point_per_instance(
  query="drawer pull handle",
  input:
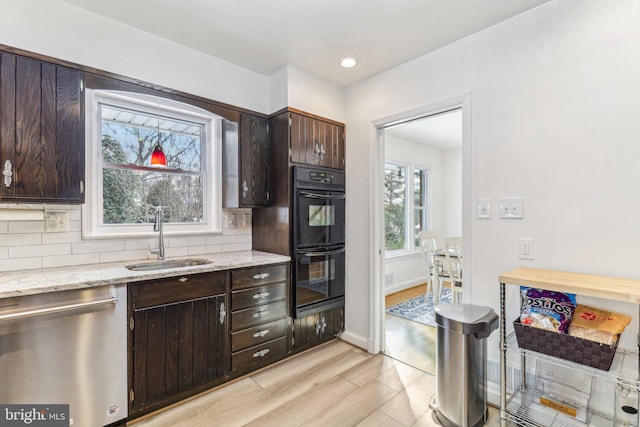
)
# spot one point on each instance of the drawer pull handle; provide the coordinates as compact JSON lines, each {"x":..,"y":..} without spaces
{"x":261,"y":333}
{"x":261,"y":295}
{"x":7,"y":172}
{"x":261,"y":313}
{"x":223,"y":313}
{"x":261,"y":353}
{"x":183,"y":279}
{"x":261,"y":276}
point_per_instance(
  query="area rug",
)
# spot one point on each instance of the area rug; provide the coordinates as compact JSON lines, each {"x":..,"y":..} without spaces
{"x":419,"y":309}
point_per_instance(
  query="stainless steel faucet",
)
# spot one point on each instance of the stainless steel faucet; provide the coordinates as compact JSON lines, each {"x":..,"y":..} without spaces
{"x":157,"y":226}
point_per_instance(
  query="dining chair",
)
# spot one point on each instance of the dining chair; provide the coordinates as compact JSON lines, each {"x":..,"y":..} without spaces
{"x":428,"y":247}
{"x":453,"y":266}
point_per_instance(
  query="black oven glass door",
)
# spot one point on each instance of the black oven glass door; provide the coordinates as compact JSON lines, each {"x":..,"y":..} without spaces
{"x":319,"y":276}
{"x":320,"y":218}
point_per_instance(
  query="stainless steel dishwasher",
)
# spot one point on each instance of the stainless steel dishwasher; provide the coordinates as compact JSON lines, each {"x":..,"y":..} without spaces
{"x":67,"y":347}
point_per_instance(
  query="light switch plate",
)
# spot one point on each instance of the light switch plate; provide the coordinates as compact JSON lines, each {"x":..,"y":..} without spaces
{"x":511,"y":208}
{"x":484,"y":208}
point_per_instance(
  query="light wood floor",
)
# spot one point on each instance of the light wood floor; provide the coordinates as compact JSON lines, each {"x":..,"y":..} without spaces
{"x":409,"y":342}
{"x":333,"y":385}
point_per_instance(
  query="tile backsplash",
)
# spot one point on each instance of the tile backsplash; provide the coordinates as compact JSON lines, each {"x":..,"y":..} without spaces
{"x":25,"y":244}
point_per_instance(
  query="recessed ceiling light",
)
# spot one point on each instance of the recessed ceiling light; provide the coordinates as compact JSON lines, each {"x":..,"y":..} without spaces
{"x":348,"y":63}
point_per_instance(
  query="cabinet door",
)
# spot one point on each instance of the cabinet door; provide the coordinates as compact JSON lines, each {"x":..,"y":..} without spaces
{"x":335,"y":147}
{"x":177,"y":348}
{"x":316,"y":142}
{"x":254,"y":160}
{"x":41,"y":131}
{"x":315,"y":328}
{"x":298,"y":138}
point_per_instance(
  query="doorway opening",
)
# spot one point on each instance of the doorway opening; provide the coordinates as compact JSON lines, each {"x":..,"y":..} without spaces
{"x":422,"y":190}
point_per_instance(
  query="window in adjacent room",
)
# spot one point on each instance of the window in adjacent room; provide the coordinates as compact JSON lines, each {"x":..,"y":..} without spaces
{"x":420,"y":203}
{"x":395,"y":206}
{"x":124,"y":188}
{"x":406,"y":206}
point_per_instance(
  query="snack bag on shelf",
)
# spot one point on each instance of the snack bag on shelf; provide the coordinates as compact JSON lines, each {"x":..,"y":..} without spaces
{"x":597,"y":325}
{"x":545,"y":309}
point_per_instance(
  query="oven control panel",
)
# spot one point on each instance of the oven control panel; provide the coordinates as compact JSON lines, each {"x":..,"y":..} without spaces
{"x":321,"y":177}
{"x":317,"y":177}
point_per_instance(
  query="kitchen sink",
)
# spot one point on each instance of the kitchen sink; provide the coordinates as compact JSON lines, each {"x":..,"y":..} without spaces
{"x":163,"y":265}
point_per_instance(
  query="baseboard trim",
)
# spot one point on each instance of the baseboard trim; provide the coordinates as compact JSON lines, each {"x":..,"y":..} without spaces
{"x":357,"y":340}
{"x":402,"y":286}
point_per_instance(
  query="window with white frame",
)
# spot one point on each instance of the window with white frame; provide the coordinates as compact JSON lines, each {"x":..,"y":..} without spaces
{"x":405,"y":202}
{"x":420,"y":203}
{"x":124,"y":188}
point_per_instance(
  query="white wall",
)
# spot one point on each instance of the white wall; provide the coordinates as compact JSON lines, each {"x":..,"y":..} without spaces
{"x":452,"y":193}
{"x":554,"y":119}
{"x":60,"y":30}
{"x":295,"y":88}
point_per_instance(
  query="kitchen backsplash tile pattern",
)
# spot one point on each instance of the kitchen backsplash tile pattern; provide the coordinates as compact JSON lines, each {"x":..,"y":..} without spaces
{"x":25,"y":244}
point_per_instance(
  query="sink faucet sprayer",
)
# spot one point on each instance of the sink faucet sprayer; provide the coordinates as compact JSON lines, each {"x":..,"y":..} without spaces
{"x":157,"y":226}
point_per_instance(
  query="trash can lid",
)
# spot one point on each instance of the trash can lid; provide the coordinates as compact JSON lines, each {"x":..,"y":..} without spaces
{"x":466,"y":318}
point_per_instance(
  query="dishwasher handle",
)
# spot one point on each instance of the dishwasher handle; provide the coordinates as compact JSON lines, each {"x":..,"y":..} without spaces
{"x":58,"y":309}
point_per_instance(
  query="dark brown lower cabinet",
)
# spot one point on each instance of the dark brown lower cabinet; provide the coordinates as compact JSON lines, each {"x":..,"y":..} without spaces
{"x":260,"y":321}
{"x":311,"y":330}
{"x":178,"y":339}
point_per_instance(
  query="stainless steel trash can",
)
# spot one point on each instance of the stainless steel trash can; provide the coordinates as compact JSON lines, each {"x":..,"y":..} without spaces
{"x":461,"y":360}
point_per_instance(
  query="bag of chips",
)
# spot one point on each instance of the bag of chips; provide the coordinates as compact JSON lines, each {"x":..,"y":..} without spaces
{"x":597,"y":325}
{"x":545,"y":309}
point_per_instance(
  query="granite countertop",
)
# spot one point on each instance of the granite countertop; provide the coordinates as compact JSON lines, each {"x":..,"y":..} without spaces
{"x":29,"y":282}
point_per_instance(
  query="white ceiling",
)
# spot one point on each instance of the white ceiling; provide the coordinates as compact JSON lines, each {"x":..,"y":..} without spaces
{"x":442,"y":131}
{"x":313,"y":36}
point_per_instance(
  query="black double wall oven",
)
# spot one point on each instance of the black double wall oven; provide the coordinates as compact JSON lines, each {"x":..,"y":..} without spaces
{"x":318,"y":239}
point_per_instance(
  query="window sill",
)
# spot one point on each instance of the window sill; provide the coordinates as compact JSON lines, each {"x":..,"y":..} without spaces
{"x":401,"y":255}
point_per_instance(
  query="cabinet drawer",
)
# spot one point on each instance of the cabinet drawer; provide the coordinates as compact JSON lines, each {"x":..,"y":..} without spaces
{"x":259,"y":355}
{"x":258,"y":295}
{"x":181,"y":288}
{"x":256,"y":315}
{"x":258,"y":334}
{"x":258,"y":275}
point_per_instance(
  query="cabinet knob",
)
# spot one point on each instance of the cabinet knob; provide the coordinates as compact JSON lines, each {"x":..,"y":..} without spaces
{"x":261,"y":313}
{"x":7,"y":172}
{"x":261,"y":276}
{"x":245,"y":189}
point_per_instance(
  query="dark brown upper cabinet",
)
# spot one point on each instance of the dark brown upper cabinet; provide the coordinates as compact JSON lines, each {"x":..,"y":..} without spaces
{"x":316,"y":142}
{"x":246,"y":162}
{"x":41,"y":131}
{"x":254,"y":160}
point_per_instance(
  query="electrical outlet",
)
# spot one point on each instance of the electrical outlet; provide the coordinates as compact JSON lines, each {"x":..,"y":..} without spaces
{"x":525,"y":248}
{"x":56,"y":222}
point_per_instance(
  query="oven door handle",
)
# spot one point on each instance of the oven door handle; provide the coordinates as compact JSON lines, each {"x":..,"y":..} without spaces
{"x":322,"y":196}
{"x":322,"y":253}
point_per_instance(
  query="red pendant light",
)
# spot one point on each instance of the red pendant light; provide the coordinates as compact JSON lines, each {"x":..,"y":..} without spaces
{"x":158,"y":158}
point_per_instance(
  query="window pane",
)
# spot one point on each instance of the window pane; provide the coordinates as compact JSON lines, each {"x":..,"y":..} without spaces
{"x":129,"y":137}
{"x":420,"y":197}
{"x":394,"y":206}
{"x":129,"y":197}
